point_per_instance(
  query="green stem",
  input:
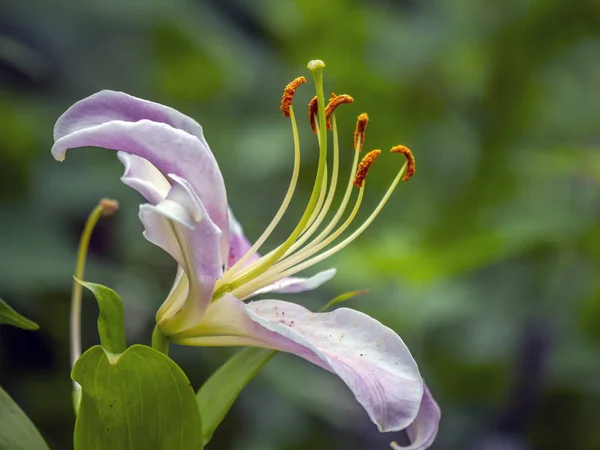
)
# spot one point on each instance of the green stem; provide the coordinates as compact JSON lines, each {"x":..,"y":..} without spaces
{"x":103,"y":208}
{"x":160,"y":342}
{"x":84,"y":243}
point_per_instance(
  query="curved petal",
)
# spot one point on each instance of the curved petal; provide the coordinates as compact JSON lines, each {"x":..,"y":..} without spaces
{"x":178,"y":224}
{"x":294,"y":285}
{"x":169,"y":149}
{"x":423,"y":431}
{"x":142,"y":176}
{"x":106,"y":106}
{"x":368,"y":356}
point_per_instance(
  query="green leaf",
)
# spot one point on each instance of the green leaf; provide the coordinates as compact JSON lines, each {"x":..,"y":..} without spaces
{"x":11,"y":317}
{"x":16,"y":430}
{"x":111,"y":321}
{"x":136,"y":400}
{"x":217,"y":395}
{"x":342,"y":298}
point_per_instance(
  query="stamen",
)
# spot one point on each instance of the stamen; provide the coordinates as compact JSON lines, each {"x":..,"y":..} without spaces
{"x":302,"y":259}
{"x":410,"y":161}
{"x":275,"y":272}
{"x":317,"y":210}
{"x":334,"y":102}
{"x":284,"y":205}
{"x":346,"y":198}
{"x":364,"y":166}
{"x":336,"y":248}
{"x":313,"y":109}
{"x":330,"y":194}
{"x":264,"y":263}
{"x":359,"y":132}
{"x":341,"y":208}
{"x":306,"y":233}
{"x":293,"y":255}
{"x":307,"y":228}
{"x":288,"y":95}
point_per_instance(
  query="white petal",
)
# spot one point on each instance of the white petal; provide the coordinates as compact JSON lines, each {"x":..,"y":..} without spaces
{"x":180,"y":226}
{"x":369,"y":357}
{"x":423,"y":431}
{"x":142,"y":176}
{"x":294,"y":285}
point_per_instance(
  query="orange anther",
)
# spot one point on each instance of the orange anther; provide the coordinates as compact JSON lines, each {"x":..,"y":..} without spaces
{"x":364,"y":166}
{"x":334,"y":102}
{"x":313,"y":109}
{"x":359,"y":132}
{"x":288,"y":95}
{"x":410,"y":161}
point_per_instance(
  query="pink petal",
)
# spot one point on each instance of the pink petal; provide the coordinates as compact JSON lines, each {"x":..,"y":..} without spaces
{"x":106,"y":106}
{"x":238,"y":243}
{"x":142,"y":176}
{"x":294,"y":285}
{"x":178,"y":224}
{"x":172,"y":142}
{"x":423,"y":431}
{"x":369,"y":357}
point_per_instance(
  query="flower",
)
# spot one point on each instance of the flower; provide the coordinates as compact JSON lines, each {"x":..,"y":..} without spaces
{"x":168,"y":161}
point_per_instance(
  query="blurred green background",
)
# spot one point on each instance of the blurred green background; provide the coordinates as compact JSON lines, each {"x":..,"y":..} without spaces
{"x":487,"y":262}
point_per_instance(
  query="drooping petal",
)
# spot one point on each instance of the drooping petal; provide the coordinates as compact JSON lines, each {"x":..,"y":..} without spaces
{"x":106,"y":106}
{"x":423,"y":431}
{"x":181,"y":226}
{"x":142,"y":176}
{"x":169,"y":149}
{"x":368,"y":356}
{"x":294,"y":285}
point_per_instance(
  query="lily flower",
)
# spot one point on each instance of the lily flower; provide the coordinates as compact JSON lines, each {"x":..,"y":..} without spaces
{"x":168,"y":161}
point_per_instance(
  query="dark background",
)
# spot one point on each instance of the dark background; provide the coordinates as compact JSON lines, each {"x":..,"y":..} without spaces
{"x":487,"y":263}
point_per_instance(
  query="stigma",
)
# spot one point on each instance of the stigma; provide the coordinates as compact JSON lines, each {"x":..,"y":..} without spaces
{"x":322,"y":231}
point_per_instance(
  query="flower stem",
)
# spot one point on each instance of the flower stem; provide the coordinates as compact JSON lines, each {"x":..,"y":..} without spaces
{"x":77,"y":288}
{"x":105,"y":207}
{"x":159,"y":341}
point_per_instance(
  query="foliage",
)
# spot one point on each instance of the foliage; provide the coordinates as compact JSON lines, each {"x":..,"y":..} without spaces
{"x":486,"y":262}
{"x":11,"y":317}
{"x":144,"y":386}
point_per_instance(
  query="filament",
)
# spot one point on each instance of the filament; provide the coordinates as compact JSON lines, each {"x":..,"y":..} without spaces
{"x":284,"y":205}
{"x":266,"y":261}
{"x":288,"y":268}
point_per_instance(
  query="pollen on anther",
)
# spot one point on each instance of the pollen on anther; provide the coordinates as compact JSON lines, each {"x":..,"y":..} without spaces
{"x":410,"y":161}
{"x":364,"y":166}
{"x":359,"y":132}
{"x":288,"y":95}
{"x":334,"y":102}
{"x":313,"y":109}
